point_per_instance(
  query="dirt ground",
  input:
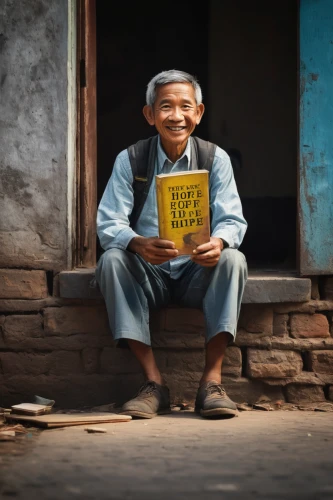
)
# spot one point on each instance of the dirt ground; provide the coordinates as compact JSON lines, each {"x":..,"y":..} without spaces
{"x":259,"y":454}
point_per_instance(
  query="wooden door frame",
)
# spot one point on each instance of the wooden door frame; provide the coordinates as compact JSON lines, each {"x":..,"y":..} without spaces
{"x":86,"y":144}
{"x":84,"y":254}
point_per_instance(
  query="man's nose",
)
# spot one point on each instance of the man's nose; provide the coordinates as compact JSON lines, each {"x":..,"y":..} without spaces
{"x":176,"y":114}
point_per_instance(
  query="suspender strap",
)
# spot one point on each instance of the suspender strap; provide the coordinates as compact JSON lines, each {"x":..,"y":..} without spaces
{"x":142,"y":156}
{"x":202,"y":154}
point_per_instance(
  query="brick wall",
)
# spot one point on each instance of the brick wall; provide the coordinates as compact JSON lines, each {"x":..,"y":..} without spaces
{"x":63,"y":349}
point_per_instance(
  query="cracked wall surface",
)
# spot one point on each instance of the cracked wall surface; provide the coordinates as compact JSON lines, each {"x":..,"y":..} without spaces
{"x":33,"y":127}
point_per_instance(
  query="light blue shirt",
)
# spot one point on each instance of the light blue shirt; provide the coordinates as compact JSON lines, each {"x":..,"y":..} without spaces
{"x":116,"y":204}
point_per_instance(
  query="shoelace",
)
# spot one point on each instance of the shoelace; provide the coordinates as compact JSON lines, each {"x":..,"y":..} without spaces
{"x":147,"y":388}
{"x":216,"y":388}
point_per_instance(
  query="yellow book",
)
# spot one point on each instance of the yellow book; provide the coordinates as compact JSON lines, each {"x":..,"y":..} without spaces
{"x":183,"y":208}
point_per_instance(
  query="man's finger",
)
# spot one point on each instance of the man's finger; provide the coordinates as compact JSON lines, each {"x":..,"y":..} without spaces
{"x":207,"y":255}
{"x":164,"y":252}
{"x":164,"y":243}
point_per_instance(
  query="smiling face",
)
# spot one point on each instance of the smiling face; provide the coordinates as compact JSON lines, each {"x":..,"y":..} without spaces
{"x":175,"y":114}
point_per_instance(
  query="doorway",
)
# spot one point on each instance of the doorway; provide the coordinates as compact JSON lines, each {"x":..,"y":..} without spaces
{"x":245,"y":57}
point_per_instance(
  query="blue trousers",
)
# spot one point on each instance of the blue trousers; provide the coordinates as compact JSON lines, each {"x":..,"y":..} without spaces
{"x":131,"y":287}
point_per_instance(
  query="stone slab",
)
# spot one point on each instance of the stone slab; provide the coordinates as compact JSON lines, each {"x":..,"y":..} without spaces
{"x":22,"y":284}
{"x":273,"y":363}
{"x":272,"y":288}
{"x":309,"y":326}
{"x":261,"y":288}
{"x":321,"y":361}
{"x":75,"y":319}
{"x":304,"y":393}
{"x":78,"y":284}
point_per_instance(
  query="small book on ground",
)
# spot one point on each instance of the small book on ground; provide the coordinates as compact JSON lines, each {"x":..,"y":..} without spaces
{"x":183,"y":208}
{"x":31,"y":409}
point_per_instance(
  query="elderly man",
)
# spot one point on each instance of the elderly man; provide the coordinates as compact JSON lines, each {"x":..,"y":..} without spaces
{"x":139,"y":271}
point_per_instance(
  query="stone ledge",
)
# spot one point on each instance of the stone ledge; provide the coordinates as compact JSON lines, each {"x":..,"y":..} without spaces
{"x":270,"y":342}
{"x":261,"y":288}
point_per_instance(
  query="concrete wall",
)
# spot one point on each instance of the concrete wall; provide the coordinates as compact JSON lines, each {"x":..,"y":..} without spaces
{"x":33,"y":126}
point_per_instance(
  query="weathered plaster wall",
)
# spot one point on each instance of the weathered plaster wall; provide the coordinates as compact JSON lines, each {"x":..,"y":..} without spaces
{"x":33,"y":127}
{"x":315,"y":141}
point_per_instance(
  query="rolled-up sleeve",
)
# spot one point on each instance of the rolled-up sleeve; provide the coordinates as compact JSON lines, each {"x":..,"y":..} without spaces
{"x":113,"y":228}
{"x":227,"y":220}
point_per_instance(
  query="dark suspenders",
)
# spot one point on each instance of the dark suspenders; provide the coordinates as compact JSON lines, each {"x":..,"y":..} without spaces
{"x":142,"y":157}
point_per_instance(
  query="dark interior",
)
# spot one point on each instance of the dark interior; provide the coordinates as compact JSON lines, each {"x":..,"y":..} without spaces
{"x":134,"y":43}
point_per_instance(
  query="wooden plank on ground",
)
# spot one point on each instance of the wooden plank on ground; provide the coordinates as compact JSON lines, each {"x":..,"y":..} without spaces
{"x":65,"y":420}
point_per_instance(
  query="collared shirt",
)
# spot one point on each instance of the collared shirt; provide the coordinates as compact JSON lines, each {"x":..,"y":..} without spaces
{"x":113,"y":228}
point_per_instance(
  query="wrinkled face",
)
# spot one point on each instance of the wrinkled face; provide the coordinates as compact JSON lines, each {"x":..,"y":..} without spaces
{"x":175,"y":113}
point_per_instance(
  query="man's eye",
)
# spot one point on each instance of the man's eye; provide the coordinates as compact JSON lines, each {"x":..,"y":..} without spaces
{"x":166,"y":106}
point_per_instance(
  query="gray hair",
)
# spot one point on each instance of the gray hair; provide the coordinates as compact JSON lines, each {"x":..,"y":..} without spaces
{"x":172,"y":76}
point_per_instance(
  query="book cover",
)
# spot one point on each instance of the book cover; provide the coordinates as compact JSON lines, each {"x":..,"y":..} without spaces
{"x":183,"y":208}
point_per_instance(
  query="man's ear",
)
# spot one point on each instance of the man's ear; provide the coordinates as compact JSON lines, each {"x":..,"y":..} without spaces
{"x":200,"y":112}
{"x":148,"y":114}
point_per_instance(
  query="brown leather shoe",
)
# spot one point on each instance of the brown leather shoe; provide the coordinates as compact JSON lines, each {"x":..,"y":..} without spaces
{"x":212,"y":401}
{"x":152,"y":399}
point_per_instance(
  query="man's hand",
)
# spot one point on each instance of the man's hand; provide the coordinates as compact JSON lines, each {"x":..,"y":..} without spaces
{"x":154,"y":249}
{"x":208,"y":254}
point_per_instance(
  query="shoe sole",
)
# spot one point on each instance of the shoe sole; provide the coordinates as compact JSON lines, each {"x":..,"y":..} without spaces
{"x":218,"y":412}
{"x":140,"y":414}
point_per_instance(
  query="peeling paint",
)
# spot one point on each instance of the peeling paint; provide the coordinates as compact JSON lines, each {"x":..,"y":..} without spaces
{"x":302,"y":85}
{"x":316,"y":145}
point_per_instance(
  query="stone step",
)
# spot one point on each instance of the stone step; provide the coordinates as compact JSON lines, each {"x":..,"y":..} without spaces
{"x":269,"y":286}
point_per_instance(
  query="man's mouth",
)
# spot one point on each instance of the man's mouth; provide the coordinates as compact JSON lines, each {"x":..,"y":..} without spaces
{"x":176,"y":129}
